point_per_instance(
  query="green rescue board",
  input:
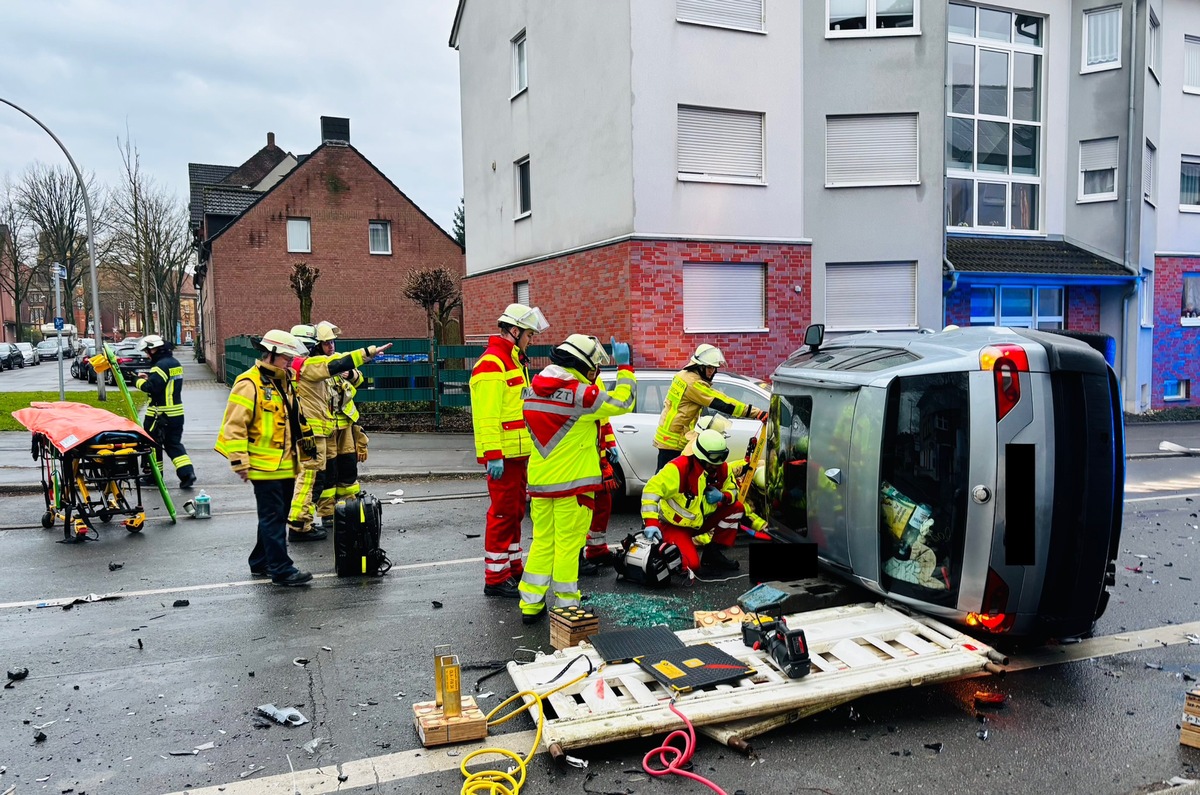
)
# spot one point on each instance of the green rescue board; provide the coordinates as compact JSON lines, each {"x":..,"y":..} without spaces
{"x":154,"y":465}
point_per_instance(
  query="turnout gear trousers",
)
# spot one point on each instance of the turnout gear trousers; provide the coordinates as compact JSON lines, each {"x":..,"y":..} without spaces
{"x":164,"y":416}
{"x":167,"y":433}
{"x":551,"y":579}
{"x":720,"y":527}
{"x":502,"y":535}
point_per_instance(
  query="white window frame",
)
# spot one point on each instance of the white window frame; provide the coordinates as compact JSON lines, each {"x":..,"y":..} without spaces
{"x":1112,"y":195}
{"x":1147,"y":296}
{"x":997,"y":318}
{"x":1189,"y":160}
{"x":872,"y":29}
{"x":520,"y":65}
{"x":387,"y":236}
{"x":1153,"y":45}
{"x":522,"y":212}
{"x":295,"y":224}
{"x":847,"y":139}
{"x":521,"y":293}
{"x":707,"y":13}
{"x":1184,"y":392}
{"x":867,"y":288}
{"x":1088,"y":15}
{"x":724,"y":297}
{"x":1149,"y":153}
{"x":1191,"y":64}
{"x":698,"y":160}
{"x":1183,"y":280}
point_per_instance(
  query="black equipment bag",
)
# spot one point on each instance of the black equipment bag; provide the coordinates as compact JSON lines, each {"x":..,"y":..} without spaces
{"x":357,"y":521}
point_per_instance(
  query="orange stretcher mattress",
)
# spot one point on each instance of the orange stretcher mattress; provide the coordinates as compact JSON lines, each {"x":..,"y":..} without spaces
{"x":68,"y":425}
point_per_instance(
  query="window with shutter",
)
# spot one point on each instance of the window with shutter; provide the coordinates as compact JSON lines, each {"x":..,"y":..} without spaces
{"x":720,"y":145}
{"x":870,"y":296}
{"x":1191,"y":64}
{"x":1102,"y":39}
{"x":871,"y":150}
{"x":1189,"y":183}
{"x":724,"y":296}
{"x":1154,"y":46}
{"x":521,"y":293}
{"x":1098,"y":169}
{"x":1148,"y":172}
{"x":737,"y":14}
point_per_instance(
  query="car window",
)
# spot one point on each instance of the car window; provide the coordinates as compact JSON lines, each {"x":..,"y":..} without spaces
{"x":787,"y":460}
{"x":742,"y":394}
{"x":857,"y":358}
{"x":651,"y":394}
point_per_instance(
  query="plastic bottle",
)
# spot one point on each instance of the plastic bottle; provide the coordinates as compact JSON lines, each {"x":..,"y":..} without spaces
{"x":203,"y":505}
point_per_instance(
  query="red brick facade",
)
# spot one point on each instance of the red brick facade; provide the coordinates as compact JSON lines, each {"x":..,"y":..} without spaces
{"x":634,"y":290}
{"x":1174,"y":343}
{"x":247,"y":288}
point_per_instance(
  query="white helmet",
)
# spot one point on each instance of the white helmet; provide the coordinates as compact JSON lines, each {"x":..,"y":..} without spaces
{"x":305,"y":333}
{"x":524,"y":317}
{"x":583,"y":350}
{"x":714,"y":421}
{"x":327,"y":332}
{"x":150,"y":341}
{"x":708,"y":356}
{"x":760,"y":477}
{"x":278,"y":341}
{"x":710,"y":447}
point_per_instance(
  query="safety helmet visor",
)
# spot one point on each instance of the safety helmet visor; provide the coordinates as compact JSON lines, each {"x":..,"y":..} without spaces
{"x":327,"y":332}
{"x":525,"y":317}
{"x":710,"y":448}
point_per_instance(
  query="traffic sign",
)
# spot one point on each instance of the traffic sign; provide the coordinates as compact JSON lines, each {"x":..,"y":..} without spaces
{"x":60,"y":271}
{"x":58,"y":324}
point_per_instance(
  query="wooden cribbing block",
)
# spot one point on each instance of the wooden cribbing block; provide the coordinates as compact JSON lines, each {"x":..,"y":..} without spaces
{"x":570,"y":625}
{"x":1189,"y":732}
{"x":711,"y":618}
{"x":434,"y":728}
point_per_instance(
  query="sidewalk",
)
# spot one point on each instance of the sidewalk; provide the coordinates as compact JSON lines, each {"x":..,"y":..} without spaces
{"x":404,"y":455}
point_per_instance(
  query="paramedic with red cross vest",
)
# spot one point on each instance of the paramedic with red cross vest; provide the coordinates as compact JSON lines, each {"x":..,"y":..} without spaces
{"x":502,"y":442}
{"x":564,"y":409}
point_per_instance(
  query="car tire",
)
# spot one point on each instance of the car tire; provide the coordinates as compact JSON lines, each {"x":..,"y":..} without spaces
{"x":91,"y":376}
{"x":75,"y":371}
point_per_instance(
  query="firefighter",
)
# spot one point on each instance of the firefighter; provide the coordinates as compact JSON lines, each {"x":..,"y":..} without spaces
{"x":564,"y":408}
{"x":692,"y":503}
{"x":347,"y":435}
{"x":312,"y":373}
{"x":691,"y":391}
{"x":163,"y":382}
{"x":502,"y":442}
{"x":264,"y":437}
{"x":596,"y":552}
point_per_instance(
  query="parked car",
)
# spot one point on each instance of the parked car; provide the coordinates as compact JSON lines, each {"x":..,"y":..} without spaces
{"x":47,"y":349}
{"x":130,"y":360}
{"x":10,"y":356}
{"x":976,"y":474}
{"x":634,"y":432}
{"x":27,"y":351}
{"x":81,"y":367}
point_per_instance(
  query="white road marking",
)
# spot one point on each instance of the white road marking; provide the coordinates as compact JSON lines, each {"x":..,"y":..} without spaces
{"x":220,"y":585}
{"x":423,"y":761}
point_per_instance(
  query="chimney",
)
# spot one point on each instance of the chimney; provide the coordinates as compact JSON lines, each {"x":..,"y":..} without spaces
{"x":270,"y":140}
{"x":335,"y":131}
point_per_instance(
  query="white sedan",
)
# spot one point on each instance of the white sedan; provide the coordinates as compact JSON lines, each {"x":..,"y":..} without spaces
{"x":635,"y":431}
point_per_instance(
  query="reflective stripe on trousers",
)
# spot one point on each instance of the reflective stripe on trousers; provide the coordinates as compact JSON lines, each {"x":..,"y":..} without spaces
{"x":597,"y":543}
{"x":560,"y":527}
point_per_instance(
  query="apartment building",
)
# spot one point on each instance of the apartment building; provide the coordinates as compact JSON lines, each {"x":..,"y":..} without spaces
{"x":727,"y":171}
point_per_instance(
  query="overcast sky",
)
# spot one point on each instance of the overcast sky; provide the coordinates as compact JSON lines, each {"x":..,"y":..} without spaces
{"x":204,"y":82}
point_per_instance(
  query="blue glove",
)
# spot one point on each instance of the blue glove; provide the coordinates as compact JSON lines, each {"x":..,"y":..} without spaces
{"x":621,"y":352}
{"x":495,"y":468}
{"x":652,"y":534}
{"x":613,"y":455}
{"x":713,"y":496}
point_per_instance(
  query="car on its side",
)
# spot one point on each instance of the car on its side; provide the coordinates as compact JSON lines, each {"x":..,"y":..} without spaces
{"x":31,"y":357}
{"x":634,"y":432}
{"x":976,"y":474}
{"x":47,"y":349}
{"x":10,"y":356}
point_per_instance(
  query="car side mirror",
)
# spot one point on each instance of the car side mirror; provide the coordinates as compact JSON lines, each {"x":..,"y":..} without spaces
{"x":814,"y":335}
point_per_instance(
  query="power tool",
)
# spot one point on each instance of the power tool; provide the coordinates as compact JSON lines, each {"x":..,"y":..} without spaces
{"x":788,"y":647}
{"x":641,"y":561}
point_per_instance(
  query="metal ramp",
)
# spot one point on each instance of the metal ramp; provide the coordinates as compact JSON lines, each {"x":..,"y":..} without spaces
{"x":856,"y":650}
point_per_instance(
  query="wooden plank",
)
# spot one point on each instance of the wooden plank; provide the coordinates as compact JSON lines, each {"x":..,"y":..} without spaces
{"x":888,"y":648}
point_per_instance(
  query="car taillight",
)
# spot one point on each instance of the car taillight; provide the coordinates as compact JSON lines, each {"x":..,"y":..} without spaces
{"x":992,"y":615}
{"x":124,"y":361}
{"x":1005,"y":362}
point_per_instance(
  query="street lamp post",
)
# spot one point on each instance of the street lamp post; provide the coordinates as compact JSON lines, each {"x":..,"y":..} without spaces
{"x":87,"y":207}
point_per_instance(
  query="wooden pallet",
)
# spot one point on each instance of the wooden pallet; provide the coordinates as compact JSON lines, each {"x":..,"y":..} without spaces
{"x":856,"y":650}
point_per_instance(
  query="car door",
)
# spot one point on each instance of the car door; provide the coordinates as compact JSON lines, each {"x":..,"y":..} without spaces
{"x":741,"y":431}
{"x":634,"y":431}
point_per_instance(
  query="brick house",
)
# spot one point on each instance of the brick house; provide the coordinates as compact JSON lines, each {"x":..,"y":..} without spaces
{"x":332,"y":209}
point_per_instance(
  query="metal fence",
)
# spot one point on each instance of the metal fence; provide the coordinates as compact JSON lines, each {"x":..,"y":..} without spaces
{"x":403,"y":374}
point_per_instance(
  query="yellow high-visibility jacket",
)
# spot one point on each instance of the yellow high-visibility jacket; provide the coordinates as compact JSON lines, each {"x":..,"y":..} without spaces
{"x":676,"y":494}
{"x":164,"y":384}
{"x":497,"y":381}
{"x":689,"y":393}
{"x":257,"y":430}
{"x":342,"y":389}
{"x":564,"y":413}
{"x":312,"y":385}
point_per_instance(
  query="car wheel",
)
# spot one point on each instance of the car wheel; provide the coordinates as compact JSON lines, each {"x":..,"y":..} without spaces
{"x":75,"y":371}
{"x":91,"y":376}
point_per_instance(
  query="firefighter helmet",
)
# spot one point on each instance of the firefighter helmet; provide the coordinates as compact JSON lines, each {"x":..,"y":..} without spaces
{"x":327,"y":332}
{"x":150,"y":342}
{"x":524,"y":317}
{"x":581,"y":352}
{"x":711,"y":447}
{"x":278,"y":341}
{"x":307,"y":334}
{"x":708,"y":356}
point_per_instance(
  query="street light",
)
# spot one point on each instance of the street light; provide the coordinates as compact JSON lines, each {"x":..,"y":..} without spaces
{"x":87,"y":207}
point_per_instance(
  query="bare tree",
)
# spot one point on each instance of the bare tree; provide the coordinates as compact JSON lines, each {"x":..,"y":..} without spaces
{"x":303,"y":279}
{"x":437,"y":290}
{"x":19,"y":275}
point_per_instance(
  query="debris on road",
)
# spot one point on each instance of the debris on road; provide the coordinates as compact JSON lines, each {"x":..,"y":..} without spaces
{"x":288,"y":716}
{"x":68,"y":602}
{"x":436,"y":604}
{"x":312,"y":745}
{"x":985,"y":699}
{"x":935,"y":747}
{"x":114,"y":565}
{"x":181,"y":603}
{"x":193,"y":752}
{"x":300,"y":661}
{"x":39,"y":737}
{"x":17,"y":674}
{"x":206,"y":746}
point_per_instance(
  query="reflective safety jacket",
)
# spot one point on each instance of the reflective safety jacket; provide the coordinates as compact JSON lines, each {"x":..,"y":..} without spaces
{"x":676,"y":494}
{"x":261,"y":424}
{"x":564,"y":413}
{"x":342,"y":389}
{"x":164,"y":384}
{"x":497,"y":381}
{"x":689,"y":393}
{"x":312,"y":385}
